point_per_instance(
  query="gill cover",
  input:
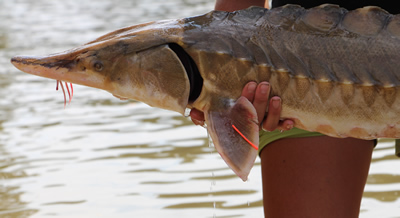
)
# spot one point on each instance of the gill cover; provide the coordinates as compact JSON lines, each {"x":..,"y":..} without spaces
{"x":159,"y":76}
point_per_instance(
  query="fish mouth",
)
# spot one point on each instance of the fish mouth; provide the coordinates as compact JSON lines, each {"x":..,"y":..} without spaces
{"x":192,"y":71}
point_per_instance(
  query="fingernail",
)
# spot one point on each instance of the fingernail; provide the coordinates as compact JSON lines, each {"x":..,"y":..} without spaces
{"x":276,"y":103}
{"x":264,"y":88}
{"x":289,"y":126}
{"x":252,"y":87}
{"x":265,"y":130}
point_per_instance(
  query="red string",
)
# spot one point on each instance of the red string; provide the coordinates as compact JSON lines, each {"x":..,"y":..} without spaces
{"x":244,"y":137}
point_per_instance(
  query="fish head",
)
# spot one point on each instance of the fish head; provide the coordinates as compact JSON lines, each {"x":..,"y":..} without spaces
{"x":129,"y":64}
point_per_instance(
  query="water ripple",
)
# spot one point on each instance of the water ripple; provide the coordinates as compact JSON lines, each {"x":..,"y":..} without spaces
{"x":102,"y":157}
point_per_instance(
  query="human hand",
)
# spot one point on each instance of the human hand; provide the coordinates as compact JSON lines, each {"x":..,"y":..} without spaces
{"x":258,"y":95}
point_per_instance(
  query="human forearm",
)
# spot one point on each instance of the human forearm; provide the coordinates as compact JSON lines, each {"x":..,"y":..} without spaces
{"x":233,"y":5}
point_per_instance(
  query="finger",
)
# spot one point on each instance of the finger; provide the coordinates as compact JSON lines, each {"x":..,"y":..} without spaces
{"x":260,"y":101}
{"x":272,"y":121}
{"x":249,"y":90}
{"x":197,"y":117}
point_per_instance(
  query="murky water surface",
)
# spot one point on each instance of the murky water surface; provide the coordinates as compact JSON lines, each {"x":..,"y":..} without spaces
{"x":102,"y":157}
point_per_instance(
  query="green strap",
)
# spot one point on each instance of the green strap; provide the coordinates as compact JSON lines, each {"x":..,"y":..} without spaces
{"x":268,"y":137}
{"x":397,"y":147}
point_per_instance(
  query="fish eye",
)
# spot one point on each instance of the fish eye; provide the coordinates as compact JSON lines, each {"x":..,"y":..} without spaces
{"x":98,"y":66}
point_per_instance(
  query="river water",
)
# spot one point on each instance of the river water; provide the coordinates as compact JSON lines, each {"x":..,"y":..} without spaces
{"x":102,"y":157}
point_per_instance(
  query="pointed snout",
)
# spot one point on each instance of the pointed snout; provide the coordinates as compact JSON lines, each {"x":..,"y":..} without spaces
{"x":60,"y":66}
{"x":52,"y":67}
{"x":31,"y":64}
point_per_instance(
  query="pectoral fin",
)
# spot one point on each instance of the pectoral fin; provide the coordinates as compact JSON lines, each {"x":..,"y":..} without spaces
{"x":230,"y":144}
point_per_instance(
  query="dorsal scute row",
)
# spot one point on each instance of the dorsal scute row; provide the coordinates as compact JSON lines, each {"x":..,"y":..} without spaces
{"x":369,"y":20}
{"x":324,"y":43}
{"x":333,"y":50}
{"x":363,"y":43}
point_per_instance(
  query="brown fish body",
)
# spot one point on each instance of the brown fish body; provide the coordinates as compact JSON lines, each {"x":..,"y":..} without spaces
{"x":337,"y":71}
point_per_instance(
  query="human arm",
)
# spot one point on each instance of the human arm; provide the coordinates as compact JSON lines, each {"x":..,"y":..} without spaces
{"x":233,"y":5}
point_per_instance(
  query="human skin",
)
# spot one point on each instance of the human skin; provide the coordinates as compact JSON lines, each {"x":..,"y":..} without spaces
{"x":303,"y":177}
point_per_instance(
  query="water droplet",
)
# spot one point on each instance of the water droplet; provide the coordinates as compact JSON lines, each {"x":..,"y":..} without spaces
{"x":187,"y":112}
{"x":210,"y":142}
{"x":213,"y":182}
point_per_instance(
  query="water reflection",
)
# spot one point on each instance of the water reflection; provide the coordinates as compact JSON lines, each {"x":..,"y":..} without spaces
{"x":383,"y":184}
{"x":102,"y":157}
{"x":3,"y":40}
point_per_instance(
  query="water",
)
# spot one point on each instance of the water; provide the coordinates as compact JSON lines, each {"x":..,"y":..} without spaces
{"x":102,"y":157}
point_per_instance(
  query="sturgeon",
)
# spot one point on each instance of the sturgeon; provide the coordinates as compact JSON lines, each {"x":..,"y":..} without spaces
{"x":337,"y":71}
